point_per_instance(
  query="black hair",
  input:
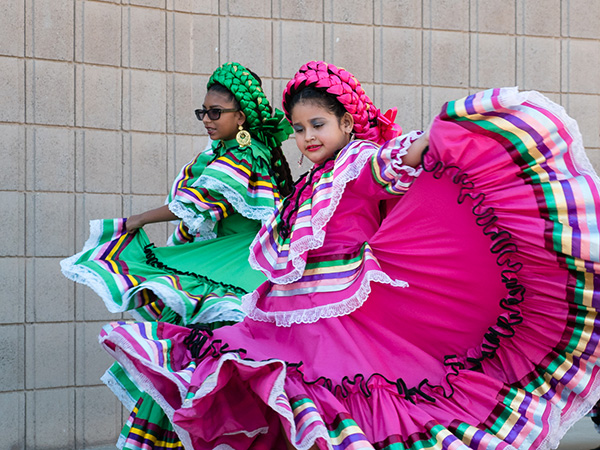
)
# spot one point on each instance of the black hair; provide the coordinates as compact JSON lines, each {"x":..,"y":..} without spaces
{"x":316,"y":96}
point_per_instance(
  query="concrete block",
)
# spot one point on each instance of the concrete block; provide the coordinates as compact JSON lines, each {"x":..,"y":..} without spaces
{"x":304,"y":10}
{"x":49,"y":342}
{"x":538,"y":63}
{"x":144,"y":102}
{"x":185,"y":93}
{"x":194,"y":6}
{"x":435,"y":97}
{"x":50,"y":92}
{"x":146,"y":165}
{"x":144,"y":37}
{"x":100,"y":424}
{"x":99,"y":102}
{"x":247,"y":41}
{"x":12,"y":224}
{"x":101,"y":157}
{"x":398,"y":13}
{"x":98,"y":33}
{"x":95,"y":206}
{"x":182,"y":149}
{"x":12,"y":89}
{"x":12,"y":294}
{"x":50,"y":418}
{"x":12,"y":28}
{"x":50,"y":295}
{"x":539,"y":17}
{"x":585,"y":109}
{"x":348,"y":11}
{"x":12,"y":155}
{"x":446,"y":58}
{"x":292,"y":155}
{"x":581,"y":59}
{"x":135,"y":204}
{"x":90,"y":307}
{"x":492,"y":60}
{"x":51,"y":159}
{"x":344,"y":42}
{"x":12,"y":411}
{"x":256,"y":8}
{"x":296,"y":43}
{"x":192,"y":43}
{"x":50,"y":224}
{"x":446,"y":14}
{"x":408,"y":100}
{"x":50,"y":29}
{"x":398,"y":56}
{"x":149,"y":3}
{"x":91,"y":359}
{"x":580,"y":18}
{"x":12,"y":338}
{"x":492,"y":16}
{"x":594,"y":157}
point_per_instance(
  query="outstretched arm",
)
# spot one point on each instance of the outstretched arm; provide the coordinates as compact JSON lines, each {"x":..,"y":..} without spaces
{"x":415,"y":151}
{"x":162,"y":214}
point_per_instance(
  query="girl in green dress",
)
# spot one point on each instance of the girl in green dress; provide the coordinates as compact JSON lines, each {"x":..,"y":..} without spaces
{"x":219,"y":200}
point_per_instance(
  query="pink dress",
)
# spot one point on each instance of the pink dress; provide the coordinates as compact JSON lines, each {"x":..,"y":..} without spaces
{"x":451,"y":306}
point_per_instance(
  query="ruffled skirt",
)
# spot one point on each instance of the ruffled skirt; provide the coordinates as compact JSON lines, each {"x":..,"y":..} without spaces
{"x":493,"y":345}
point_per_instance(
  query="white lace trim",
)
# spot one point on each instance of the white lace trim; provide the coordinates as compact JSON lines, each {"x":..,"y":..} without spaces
{"x":117,"y":388}
{"x":197,"y":225}
{"x":222,"y":311}
{"x":261,"y":213}
{"x":311,"y":315}
{"x":86,"y":276}
{"x":122,"y":354}
{"x":203,"y":227}
{"x":562,"y":424}
{"x":319,"y":220}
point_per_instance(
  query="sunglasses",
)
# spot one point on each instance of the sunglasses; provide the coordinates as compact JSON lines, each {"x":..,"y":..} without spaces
{"x":213,"y":113}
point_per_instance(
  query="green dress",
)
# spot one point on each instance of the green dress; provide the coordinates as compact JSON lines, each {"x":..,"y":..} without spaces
{"x":222,"y":197}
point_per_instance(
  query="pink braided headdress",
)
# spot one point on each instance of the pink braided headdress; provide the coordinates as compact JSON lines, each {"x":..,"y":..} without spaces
{"x":369,"y":123}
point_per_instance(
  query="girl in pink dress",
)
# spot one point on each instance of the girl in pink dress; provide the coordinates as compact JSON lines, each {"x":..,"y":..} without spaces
{"x":428,"y":290}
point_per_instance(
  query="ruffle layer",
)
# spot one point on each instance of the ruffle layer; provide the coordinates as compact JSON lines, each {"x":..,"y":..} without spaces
{"x":125,"y":271}
{"x":519,"y":383}
{"x":218,"y":183}
{"x":256,"y":399}
{"x":332,"y":288}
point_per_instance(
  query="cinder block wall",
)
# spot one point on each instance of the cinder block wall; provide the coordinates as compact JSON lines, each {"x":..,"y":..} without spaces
{"x":97,"y":117}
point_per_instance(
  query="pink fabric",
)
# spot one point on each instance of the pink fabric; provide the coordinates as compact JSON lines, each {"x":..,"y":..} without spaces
{"x":488,"y":311}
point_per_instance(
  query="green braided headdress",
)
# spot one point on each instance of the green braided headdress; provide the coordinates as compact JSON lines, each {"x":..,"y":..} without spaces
{"x":267,"y":128}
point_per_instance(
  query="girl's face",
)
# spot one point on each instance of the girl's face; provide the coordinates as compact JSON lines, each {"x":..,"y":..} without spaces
{"x":318,"y":132}
{"x":226,"y":126}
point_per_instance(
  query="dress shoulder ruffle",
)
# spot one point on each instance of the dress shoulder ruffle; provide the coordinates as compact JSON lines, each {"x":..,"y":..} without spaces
{"x":224,"y":180}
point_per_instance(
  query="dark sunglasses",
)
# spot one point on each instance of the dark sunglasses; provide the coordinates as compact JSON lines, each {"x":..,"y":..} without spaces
{"x":213,"y":113}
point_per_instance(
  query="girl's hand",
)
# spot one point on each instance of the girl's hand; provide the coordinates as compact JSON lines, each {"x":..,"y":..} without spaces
{"x":134,"y":223}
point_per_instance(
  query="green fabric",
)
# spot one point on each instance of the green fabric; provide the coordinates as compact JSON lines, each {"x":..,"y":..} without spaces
{"x":233,"y":180}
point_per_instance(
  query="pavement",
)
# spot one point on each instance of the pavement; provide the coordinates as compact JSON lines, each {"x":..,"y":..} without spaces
{"x":581,"y":436}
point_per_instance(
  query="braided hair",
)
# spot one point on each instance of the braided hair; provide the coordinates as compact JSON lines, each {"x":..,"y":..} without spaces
{"x":244,"y":88}
{"x":369,"y":122}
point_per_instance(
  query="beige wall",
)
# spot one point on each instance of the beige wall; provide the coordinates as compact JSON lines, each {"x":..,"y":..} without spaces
{"x":96,"y":118}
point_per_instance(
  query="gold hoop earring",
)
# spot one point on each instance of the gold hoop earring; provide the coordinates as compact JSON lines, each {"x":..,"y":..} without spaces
{"x":242,"y":137}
